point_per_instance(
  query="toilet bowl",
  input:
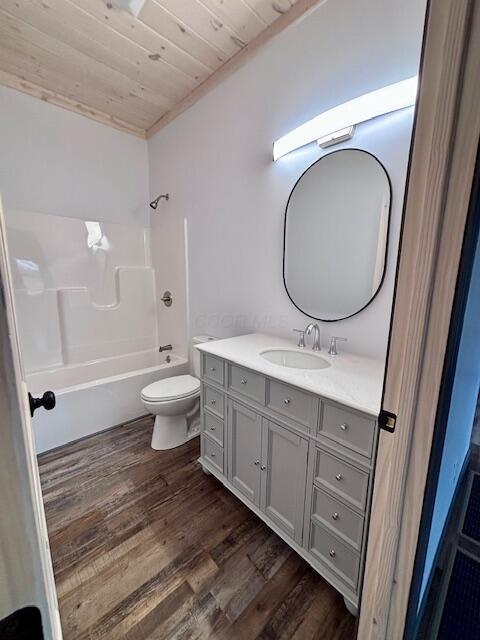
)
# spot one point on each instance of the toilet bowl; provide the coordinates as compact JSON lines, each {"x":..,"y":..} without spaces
{"x":175,"y":403}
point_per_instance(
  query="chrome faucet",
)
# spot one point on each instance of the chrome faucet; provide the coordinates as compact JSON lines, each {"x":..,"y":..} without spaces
{"x":332,"y":351}
{"x":316,"y":335}
{"x":301,"y":338}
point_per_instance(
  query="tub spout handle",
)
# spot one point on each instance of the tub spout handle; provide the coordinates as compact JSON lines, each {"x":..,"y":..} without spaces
{"x":167,"y":299}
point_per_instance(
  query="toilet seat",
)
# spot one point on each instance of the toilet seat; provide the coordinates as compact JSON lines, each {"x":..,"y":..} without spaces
{"x":173,"y":388}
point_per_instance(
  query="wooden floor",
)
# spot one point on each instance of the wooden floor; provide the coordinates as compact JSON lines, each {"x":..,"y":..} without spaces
{"x":146,"y":546}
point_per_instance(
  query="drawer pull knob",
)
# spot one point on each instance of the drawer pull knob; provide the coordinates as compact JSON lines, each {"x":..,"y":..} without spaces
{"x":287,"y":400}
{"x":243,"y":381}
{"x":213,"y":454}
{"x":339,"y":477}
{"x":335,"y":516}
{"x":344,"y":427}
{"x":332,"y":553}
{"x":212,"y":369}
{"x":263,"y":467}
{"x":212,"y":428}
{"x":256,"y":463}
{"x":214,"y":402}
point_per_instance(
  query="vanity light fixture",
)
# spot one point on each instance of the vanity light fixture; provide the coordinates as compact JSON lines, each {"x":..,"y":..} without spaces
{"x":376,"y":103}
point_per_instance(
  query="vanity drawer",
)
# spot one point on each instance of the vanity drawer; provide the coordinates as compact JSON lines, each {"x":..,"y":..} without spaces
{"x":338,"y":476}
{"x":213,"y":427}
{"x":212,"y":452}
{"x":335,"y":554}
{"x":293,"y":403}
{"x":247,"y":383}
{"x":333,"y":514}
{"x":353,"y":430}
{"x":213,"y":369}
{"x":214,"y":401}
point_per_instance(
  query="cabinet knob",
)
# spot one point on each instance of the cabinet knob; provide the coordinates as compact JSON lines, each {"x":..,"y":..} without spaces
{"x":213,"y":454}
{"x":243,"y":381}
{"x":335,"y":516}
{"x":212,"y":368}
{"x":212,"y":428}
{"x":344,"y":427}
{"x":256,"y":463}
{"x":263,"y":467}
{"x":214,"y":402}
{"x":287,"y":400}
{"x":339,"y":476}
{"x":332,"y":553}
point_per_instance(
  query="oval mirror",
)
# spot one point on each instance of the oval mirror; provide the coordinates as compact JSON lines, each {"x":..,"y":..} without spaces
{"x":336,"y":233}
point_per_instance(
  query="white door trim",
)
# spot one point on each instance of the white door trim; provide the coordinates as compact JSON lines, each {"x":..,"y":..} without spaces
{"x":442,"y":164}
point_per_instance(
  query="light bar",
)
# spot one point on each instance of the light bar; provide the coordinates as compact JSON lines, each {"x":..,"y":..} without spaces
{"x":370,"y":105}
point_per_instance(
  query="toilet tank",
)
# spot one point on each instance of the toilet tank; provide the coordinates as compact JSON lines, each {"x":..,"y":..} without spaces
{"x":196,"y":352}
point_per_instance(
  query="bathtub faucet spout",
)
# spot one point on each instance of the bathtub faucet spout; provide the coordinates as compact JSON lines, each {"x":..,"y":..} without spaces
{"x":165,"y":347}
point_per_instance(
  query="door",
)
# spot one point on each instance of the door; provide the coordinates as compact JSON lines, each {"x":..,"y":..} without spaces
{"x":283,"y":479}
{"x":244,"y":450}
{"x":441,"y":170}
{"x":26,"y":577}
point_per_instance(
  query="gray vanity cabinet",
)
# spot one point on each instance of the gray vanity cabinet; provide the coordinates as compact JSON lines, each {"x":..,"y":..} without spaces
{"x":244,"y":450}
{"x":302,"y":463}
{"x":284,"y":468}
{"x":268,"y":464}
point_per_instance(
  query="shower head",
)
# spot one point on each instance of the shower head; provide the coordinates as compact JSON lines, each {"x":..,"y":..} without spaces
{"x":154,"y":203}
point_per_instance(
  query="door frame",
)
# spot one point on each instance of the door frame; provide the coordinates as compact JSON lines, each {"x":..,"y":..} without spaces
{"x":440,"y":178}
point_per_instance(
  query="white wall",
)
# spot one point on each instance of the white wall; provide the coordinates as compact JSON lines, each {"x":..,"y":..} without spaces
{"x":215,"y":160}
{"x":57,"y":162}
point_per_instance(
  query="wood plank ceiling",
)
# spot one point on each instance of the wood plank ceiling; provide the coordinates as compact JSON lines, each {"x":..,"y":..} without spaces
{"x":133,"y":73}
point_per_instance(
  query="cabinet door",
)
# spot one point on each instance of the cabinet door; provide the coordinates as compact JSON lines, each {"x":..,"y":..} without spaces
{"x":244,"y":450}
{"x":284,"y":471}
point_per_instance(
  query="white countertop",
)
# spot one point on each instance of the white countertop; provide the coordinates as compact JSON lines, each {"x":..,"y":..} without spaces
{"x":350,"y":380}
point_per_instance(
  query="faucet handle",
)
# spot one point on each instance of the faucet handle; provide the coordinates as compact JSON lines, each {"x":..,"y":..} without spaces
{"x":332,"y":351}
{"x":301,"y":338}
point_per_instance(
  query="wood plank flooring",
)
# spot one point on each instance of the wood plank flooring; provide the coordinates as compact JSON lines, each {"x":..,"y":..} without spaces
{"x":145,"y":546}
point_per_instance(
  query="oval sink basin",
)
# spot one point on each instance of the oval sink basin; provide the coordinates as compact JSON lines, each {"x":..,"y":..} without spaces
{"x":294,"y":359}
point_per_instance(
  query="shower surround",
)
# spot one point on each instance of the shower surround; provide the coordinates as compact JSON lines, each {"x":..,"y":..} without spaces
{"x":87,"y":314}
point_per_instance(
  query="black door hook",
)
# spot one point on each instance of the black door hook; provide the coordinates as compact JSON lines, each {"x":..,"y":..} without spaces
{"x":47,"y":401}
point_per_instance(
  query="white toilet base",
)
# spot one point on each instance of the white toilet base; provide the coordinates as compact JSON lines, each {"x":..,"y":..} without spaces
{"x":169,"y":432}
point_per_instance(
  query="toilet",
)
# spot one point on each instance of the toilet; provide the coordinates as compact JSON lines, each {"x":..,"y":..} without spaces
{"x":175,"y":403}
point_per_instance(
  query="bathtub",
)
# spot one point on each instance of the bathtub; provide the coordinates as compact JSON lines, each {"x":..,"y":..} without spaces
{"x":96,"y":395}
